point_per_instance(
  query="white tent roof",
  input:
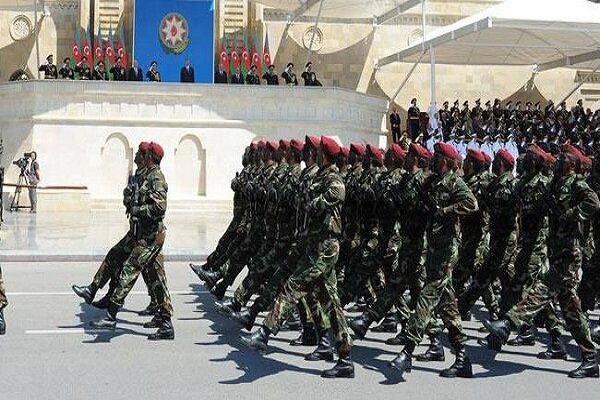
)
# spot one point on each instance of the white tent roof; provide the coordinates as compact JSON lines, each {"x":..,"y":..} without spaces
{"x":550,"y":33}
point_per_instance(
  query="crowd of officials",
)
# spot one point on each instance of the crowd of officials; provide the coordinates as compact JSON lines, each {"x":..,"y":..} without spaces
{"x":118,"y":72}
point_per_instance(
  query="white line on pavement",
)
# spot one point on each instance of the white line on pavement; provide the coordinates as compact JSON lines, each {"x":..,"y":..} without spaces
{"x":174,"y":292}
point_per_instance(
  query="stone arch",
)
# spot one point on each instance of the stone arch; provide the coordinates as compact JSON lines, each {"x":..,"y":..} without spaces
{"x":116,"y":157}
{"x":190,"y":168}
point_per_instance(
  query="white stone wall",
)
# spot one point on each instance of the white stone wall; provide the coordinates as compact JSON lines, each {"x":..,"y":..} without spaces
{"x":85,"y":133}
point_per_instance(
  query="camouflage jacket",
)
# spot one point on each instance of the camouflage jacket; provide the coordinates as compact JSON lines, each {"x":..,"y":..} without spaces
{"x":367,"y":202}
{"x":405,"y":195}
{"x":452,"y":198}
{"x":478,"y":222}
{"x":502,"y":203}
{"x":237,"y":185}
{"x":271,"y":180}
{"x":350,"y":210}
{"x":533,"y":216}
{"x":385,"y":210}
{"x":286,"y":206}
{"x":152,"y":202}
{"x":578,"y":202}
{"x":302,"y":197}
{"x":327,"y":194}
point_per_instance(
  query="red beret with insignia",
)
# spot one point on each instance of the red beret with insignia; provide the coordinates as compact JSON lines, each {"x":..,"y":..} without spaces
{"x":476,"y":155}
{"x":345,"y":151}
{"x":447,"y":150}
{"x":312,"y":141}
{"x":506,"y":156}
{"x":284,"y":144}
{"x":157,"y":150}
{"x":398,"y":151}
{"x":144,"y":146}
{"x":272,"y":146}
{"x":419,"y":151}
{"x":330,"y":146}
{"x":357,"y":149}
{"x":296,"y":144}
{"x":375,"y":152}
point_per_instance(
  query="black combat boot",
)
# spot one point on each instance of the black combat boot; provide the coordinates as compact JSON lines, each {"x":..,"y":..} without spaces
{"x":344,"y":368}
{"x":102,"y":304}
{"x":2,"y":322}
{"x":360,"y":326}
{"x":210,"y":279}
{"x":526,"y":337}
{"x":165,"y":330}
{"x":461,"y":368}
{"x":308,"y":336}
{"x":399,"y":340}
{"x":435,"y":352}
{"x":587,"y":369}
{"x":402,"y":363}
{"x":323,"y":350}
{"x":150,"y":309}
{"x":389,"y":324}
{"x":110,"y":320}
{"x":556,"y":349}
{"x":499,"y":333}
{"x":466,"y":316}
{"x":493,"y":316}
{"x":227,"y":308}
{"x":258,"y":340}
{"x":154,"y":322}
{"x":595,"y":333}
{"x":86,"y":292}
{"x":293,"y":323}
{"x":219,"y":290}
{"x":197,"y":268}
{"x":245,"y":318}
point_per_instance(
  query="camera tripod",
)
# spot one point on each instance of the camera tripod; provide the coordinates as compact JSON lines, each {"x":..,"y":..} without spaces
{"x":14,"y":206}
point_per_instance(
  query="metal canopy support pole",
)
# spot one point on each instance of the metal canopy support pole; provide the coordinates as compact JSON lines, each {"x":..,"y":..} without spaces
{"x":412,"y":69}
{"x":432,"y":58}
{"x":584,"y":80}
{"x":314,"y":32}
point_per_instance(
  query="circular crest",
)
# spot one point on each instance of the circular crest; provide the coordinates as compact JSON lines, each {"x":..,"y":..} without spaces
{"x":20,"y":28}
{"x":174,"y":32}
{"x":313,"y":38}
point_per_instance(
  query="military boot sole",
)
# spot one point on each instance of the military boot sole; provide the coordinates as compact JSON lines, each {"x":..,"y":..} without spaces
{"x":82,"y":294}
{"x":260,"y":349}
{"x":162,"y":336}
{"x":548,"y":355}
{"x":100,"y":304}
{"x":300,"y":342}
{"x":338,"y":374}
{"x":319,"y":356}
{"x":152,"y":324}
{"x":520,"y":341}
{"x":429,"y":357}
{"x":459,"y":374}
{"x":397,"y":341}
{"x":589,"y":373}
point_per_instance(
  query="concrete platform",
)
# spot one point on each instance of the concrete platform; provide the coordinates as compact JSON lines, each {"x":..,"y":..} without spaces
{"x":87,"y":236}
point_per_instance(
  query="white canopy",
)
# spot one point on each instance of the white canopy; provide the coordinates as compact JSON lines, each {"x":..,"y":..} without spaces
{"x":549,"y":33}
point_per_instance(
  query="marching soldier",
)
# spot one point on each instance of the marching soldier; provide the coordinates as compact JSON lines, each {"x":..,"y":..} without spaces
{"x":49,"y":69}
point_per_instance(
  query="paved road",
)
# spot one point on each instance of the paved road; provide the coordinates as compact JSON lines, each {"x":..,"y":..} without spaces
{"x":48,"y":353}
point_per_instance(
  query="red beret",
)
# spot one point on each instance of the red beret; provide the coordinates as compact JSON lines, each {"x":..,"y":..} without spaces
{"x":569,"y":148}
{"x":375,"y":152}
{"x":345,"y":151}
{"x":488,"y":159}
{"x":157,"y":150}
{"x":447,"y":150}
{"x":544,"y":155}
{"x":398,"y":151}
{"x":252,"y":146}
{"x":144,"y":146}
{"x":284,"y":144}
{"x":312,"y":141}
{"x":476,"y":155}
{"x":419,"y":151}
{"x":261,"y":145}
{"x":272,"y":146}
{"x":357,"y":149}
{"x":506,"y":156}
{"x":330,"y":146}
{"x":296,"y":144}
{"x":586,"y":162}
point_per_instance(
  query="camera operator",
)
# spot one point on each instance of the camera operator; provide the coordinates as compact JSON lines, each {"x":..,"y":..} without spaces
{"x":33,"y":176}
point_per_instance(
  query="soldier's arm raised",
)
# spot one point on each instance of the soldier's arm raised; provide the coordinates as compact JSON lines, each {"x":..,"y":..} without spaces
{"x":331,"y":197}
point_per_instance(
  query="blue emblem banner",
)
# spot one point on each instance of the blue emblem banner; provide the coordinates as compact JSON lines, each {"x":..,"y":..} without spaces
{"x":171,"y":31}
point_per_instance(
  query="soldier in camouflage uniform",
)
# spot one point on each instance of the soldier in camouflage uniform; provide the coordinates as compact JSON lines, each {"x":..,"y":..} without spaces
{"x":503,"y":210}
{"x":233,"y":234}
{"x":150,"y":236}
{"x":316,"y":267}
{"x":111,"y":266}
{"x":448,"y":197}
{"x":3,"y":304}
{"x":571,"y":201}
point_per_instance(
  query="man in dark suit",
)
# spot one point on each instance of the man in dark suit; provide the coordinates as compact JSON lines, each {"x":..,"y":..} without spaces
{"x":187,"y":73}
{"x":135,"y":73}
{"x":118,"y":72}
{"x":221,"y":75}
{"x":395,"y":126}
{"x":237,"y":78}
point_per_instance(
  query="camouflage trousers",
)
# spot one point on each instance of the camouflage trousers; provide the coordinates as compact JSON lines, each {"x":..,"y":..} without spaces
{"x":242,"y":255}
{"x":499,"y":263}
{"x":3,"y":299}
{"x":261,"y":270}
{"x":589,"y":288}
{"x":560,"y":281}
{"x":221,"y":252}
{"x":315,"y":275}
{"x":360,"y":269}
{"x":438,"y":295}
{"x":145,"y":255}
{"x":111,"y":267}
{"x":348,"y":246}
